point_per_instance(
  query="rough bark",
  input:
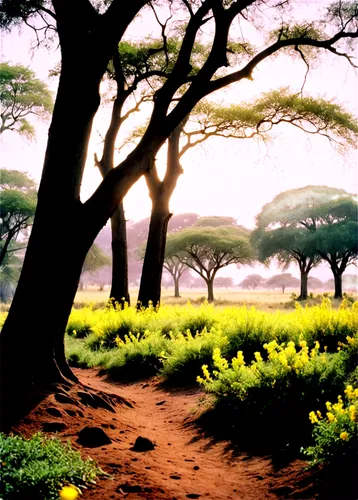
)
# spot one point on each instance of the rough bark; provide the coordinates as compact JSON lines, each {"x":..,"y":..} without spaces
{"x":119,"y":289}
{"x":210,"y":285}
{"x":160,"y":193}
{"x":303,"y":287}
{"x":176,"y":287}
{"x":150,"y":283}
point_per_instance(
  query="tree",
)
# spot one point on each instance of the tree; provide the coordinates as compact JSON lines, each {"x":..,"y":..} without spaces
{"x":252,"y":281}
{"x":222,"y":282}
{"x":176,"y":268}
{"x":87,"y":34}
{"x":17,"y":208}
{"x":282,"y":281}
{"x":314,"y":283}
{"x":205,"y":250}
{"x":337,"y":243}
{"x":22,"y":95}
{"x":95,"y":260}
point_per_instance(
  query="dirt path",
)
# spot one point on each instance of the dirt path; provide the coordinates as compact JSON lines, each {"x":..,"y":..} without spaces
{"x":182,"y":465}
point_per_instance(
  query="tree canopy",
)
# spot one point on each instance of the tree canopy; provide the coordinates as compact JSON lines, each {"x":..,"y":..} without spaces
{"x":282,"y":281}
{"x":22,"y":95}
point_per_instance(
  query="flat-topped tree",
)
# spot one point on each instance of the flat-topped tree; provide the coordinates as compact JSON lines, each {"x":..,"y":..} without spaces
{"x":282,"y":281}
{"x":252,"y":281}
{"x":206,"y":250}
{"x":87,"y":35}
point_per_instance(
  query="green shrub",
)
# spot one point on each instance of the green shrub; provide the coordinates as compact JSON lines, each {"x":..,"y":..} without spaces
{"x":39,"y":467}
{"x":336,"y":434}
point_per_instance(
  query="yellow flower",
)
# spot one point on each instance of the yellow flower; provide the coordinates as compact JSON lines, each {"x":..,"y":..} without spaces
{"x":344,"y":435}
{"x":313,"y":417}
{"x":317,"y":346}
{"x":303,"y":344}
{"x":258,"y":356}
{"x":319,"y":414}
{"x":331,"y":417}
{"x":69,"y":492}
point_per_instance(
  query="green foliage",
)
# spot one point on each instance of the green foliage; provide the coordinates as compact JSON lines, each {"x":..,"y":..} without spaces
{"x":21,"y":95}
{"x":39,"y":467}
{"x":95,"y":259}
{"x":335,"y":435}
{"x":183,"y":338}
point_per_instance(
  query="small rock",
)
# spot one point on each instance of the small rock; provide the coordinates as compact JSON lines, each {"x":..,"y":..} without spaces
{"x":143,"y":444}
{"x":160,"y":403}
{"x":53,"y":426}
{"x":192,"y":495}
{"x":144,"y":386}
{"x":175,"y":477}
{"x":196,"y":467}
{"x":55,"y":412}
{"x":93,"y":437}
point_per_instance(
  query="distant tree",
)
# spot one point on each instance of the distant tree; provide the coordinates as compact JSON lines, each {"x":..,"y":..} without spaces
{"x":314,"y":283}
{"x":329,"y":284}
{"x":95,"y":259}
{"x":282,"y":281}
{"x":206,"y":250}
{"x":350,"y":281}
{"x":22,"y":95}
{"x":306,"y":225}
{"x":252,"y":281}
{"x":176,"y":268}
{"x":224,"y":282}
{"x":17,"y":208}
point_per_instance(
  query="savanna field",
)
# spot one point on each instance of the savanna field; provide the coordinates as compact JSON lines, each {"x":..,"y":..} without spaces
{"x":285,"y":379}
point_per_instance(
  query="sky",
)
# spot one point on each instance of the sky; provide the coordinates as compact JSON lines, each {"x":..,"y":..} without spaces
{"x":224,"y":176}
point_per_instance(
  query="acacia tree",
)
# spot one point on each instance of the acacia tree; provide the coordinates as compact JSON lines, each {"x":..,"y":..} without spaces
{"x":252,"y":281}
{"x":176,"y":269}
{"x":205,"y":250}
{"x":335,"y":237}
{"x":22,"y":95}
{"x":282,"y":281}
{"x":89,"y":34}
{"x":94,"y":261}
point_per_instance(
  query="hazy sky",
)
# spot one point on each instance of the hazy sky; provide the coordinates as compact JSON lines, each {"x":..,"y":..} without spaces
{"x":224,"y":176}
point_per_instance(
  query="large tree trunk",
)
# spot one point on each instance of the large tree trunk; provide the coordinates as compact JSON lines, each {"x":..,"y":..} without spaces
{"x":176,"y":287}
{"x":150,"y":283}
{"x":304,"y":282}
{"x":120,"y":289}
{"x":210,"y":285}
{"x":338,"y":291}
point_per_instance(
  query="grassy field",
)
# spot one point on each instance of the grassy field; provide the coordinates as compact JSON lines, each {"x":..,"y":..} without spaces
{"x":262,"y":299}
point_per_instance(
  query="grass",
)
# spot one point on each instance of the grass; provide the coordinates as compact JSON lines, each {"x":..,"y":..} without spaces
{"x":38,"y":468}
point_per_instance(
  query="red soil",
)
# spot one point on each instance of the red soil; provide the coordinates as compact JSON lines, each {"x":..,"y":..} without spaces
{"x":184,"y":464}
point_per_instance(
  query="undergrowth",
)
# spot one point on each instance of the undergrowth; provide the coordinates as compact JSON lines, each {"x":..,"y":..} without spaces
{"x":38,"y":468}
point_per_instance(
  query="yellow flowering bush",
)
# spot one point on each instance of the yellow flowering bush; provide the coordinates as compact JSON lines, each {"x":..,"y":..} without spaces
{"x":335,"y":434}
